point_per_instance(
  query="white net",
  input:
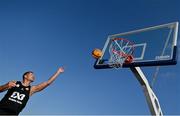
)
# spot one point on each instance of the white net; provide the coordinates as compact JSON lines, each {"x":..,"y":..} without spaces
{"x":119,"y":50}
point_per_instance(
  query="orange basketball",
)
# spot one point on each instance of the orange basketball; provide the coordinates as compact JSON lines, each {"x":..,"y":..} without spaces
{"x":129,"y":59}
{"x":96,"y":53}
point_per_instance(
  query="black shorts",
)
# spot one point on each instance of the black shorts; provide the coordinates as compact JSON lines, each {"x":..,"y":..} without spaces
{"x":6,"y":112}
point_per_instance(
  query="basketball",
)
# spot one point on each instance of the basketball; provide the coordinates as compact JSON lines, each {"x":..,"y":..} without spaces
{"x":96,"y":53}
{"x":129,"y":59}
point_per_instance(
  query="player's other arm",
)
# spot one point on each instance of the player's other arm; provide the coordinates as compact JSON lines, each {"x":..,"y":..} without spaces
{"x":43,"y":85}
{"x":7,"y":86}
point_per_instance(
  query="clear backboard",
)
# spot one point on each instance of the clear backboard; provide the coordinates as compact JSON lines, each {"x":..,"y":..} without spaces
{"x":152,"y":46}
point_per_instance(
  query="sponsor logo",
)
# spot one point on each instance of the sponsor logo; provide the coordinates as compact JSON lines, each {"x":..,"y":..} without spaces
{"x":17,"y":97}
{"x":162,"y":57}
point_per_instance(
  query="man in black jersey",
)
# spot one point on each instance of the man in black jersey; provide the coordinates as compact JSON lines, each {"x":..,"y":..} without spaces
{"x":19,"y":92}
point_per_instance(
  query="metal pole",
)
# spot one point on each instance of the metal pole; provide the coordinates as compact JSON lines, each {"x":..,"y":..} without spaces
{"x":151,"y":98}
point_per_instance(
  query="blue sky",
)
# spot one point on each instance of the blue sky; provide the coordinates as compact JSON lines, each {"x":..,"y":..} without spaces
{"x":41,"y":35}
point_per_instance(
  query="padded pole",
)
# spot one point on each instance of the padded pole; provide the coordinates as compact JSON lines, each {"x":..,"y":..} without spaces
{"x":151,"y":98}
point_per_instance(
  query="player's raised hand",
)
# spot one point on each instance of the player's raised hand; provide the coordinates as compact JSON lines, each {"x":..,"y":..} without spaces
{"x":11,"y":84}
{"x":60,"y":70}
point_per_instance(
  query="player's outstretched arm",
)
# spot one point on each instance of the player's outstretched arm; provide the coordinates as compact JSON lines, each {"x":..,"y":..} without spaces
{"x":7,"y":86}
{"x":43,"y":85}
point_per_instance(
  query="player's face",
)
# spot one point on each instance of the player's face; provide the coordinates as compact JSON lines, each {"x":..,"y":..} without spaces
{"x":30,"y":77}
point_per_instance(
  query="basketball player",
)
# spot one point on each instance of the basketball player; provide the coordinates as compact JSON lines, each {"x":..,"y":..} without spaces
{"x":18,"y":92}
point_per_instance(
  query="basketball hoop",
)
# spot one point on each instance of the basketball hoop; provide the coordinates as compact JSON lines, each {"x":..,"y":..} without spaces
{"x":121,"y":51}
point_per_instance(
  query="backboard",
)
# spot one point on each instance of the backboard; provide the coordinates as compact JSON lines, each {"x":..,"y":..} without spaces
{"x":152,"y":46}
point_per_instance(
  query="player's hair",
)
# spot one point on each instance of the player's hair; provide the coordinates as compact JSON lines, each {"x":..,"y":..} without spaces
{"x":26,"y":73}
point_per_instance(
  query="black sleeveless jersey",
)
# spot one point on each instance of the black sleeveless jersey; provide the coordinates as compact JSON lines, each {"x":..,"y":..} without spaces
{"x":15,"y":99}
